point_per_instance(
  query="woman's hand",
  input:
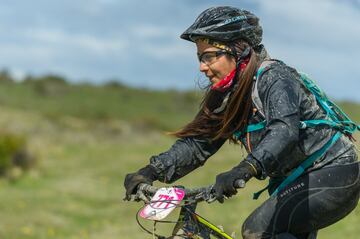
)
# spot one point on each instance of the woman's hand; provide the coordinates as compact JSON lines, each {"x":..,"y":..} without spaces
{"x":224,"y":185}
{"x":145,"y":175}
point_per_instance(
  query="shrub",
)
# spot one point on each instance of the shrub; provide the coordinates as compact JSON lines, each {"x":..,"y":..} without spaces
{"x":114,"y":84}
{"x":28,"y":79}
{"x":13,"y":153}
{"x":50,"y":85}
{"x":5,"y":76}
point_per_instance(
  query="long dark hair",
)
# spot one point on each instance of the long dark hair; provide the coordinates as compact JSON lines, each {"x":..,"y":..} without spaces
{"x":239,"y":106}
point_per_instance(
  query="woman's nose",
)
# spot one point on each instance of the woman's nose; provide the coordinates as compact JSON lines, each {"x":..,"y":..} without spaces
{"x":203,"y":67}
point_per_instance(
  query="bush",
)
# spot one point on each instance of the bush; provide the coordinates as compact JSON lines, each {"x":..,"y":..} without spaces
{"x":114,"y":84}
{"x":5,"y":76}
{"x":13,"y":153}
{"x":28,"y":79}
{"x":50,"y":85}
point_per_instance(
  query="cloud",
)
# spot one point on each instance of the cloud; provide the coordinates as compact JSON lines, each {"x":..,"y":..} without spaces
{"x":169,"y":51}
{"x":139,"y":42}
{"x":318,"y":37}
{"x":334,"y":23}
{"x":150,"y":31}
{"x":159,"y":42}
{"x":57,"y":37}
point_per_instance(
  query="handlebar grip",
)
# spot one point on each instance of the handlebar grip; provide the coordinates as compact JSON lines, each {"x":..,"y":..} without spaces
{"x":147,"y":188}
{"x":240,"y":183}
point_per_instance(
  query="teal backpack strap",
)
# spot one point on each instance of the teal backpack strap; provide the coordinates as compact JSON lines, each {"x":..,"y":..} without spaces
{"x":313,"y":123}
{"x":260,"y":71}
{"x":251,"y":128}
{"x":256,"y":127}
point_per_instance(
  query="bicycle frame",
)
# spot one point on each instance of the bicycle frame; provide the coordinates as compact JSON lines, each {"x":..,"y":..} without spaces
{"x":192,"y":223}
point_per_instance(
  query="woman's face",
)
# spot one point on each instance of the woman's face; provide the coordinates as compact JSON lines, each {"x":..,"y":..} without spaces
{"x":213,"y":62}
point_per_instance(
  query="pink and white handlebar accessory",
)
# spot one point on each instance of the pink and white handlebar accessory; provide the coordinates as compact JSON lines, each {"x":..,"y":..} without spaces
{"x":162,"y":203}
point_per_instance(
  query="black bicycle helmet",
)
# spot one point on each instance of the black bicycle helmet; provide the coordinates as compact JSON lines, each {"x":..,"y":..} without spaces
{"x":225,"y":24}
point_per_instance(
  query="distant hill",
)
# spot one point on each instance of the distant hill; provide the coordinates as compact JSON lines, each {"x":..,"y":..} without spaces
{"x":54,"y":97}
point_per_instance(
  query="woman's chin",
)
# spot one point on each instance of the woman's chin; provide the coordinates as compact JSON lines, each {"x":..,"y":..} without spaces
{"x":214,"y":80}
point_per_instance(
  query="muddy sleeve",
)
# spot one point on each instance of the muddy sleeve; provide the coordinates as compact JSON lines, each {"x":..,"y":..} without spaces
{"x":279,"y":93}
{"x":184,"y":156}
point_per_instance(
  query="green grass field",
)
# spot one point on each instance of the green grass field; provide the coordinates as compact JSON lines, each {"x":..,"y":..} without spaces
{"x":76,"y":190}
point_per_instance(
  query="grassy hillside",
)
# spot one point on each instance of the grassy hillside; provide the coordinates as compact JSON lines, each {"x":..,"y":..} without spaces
{"x":162,"y":110}
{"x":86,"y":139}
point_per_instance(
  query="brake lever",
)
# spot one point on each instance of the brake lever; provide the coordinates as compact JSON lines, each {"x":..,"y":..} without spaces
{"x":211,"y":199}
{"x":139,"y":196}
{"x":210,"y":194}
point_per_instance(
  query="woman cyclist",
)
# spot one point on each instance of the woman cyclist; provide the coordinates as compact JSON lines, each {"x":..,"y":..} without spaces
{"x":251,"y":90}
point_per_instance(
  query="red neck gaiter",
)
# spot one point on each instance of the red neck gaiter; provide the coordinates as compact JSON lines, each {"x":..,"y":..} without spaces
{"x":227,"y":81}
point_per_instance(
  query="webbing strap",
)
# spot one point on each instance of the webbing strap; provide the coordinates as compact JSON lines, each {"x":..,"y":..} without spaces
{"x":251,"y":128}
{"x":313,"y":123}
{"x":259,"y":72}
{"x":255,"y":127}
{"x":303,"y":125}
{"x":307,"y":163}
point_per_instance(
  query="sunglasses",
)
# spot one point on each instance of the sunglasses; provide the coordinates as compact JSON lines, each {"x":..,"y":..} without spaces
{"x":209,"y":57}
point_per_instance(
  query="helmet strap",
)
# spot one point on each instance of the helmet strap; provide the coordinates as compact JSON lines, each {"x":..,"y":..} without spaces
{"x":245,"y":54}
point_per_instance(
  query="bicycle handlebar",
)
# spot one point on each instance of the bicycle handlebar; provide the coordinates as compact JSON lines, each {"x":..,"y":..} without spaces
{"x":198,"y":194}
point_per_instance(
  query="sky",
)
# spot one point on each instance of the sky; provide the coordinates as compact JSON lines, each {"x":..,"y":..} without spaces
{"x":137,"y":41}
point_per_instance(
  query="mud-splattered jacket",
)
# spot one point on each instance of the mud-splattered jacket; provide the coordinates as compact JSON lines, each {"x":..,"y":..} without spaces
{"x":278,"y":148}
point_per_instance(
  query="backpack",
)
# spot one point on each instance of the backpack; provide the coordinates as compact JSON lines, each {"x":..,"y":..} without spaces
{"x":336,"y":119}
